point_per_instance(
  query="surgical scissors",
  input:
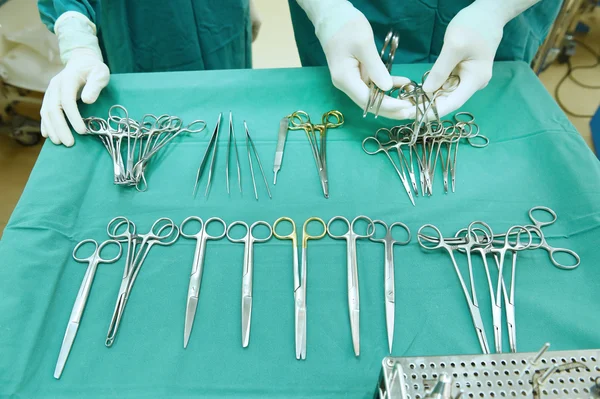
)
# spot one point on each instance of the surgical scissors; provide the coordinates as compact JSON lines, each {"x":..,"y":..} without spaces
{"x":300,"y":276}
{"x":440,"y":242}
{"x":248,"y":270}
{"x":163,"y":232}
{"x":351,"y":236}
{"x":389,"y":242}
{"x":93,"y":260}
{"x":201,"y":237}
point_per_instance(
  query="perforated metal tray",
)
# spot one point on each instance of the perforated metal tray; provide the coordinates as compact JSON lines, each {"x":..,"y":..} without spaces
{"x":507,"y":375}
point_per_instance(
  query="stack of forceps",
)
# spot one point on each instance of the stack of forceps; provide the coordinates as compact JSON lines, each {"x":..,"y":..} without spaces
{"x":300,"y":120}
{"x":131,"y":144}
{"x":426,"y":143}
{"x":479,"y":239}
{"x":163,"y":232}
{"x":300,"y":275}
{"x":376,"y":95}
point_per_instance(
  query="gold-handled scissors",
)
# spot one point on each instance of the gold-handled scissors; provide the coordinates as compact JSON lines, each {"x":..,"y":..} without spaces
{"x":299,"y":276}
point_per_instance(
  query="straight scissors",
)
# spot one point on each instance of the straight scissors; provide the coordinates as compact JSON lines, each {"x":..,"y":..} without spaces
{"x":93,"y":260}
{"x":300,"y":276}
{"x":436,"y":242}
{"x":201,"y":237}
{"x":352,"y":268}
{"x":388,"y":242}
{"x":163,"y":232}
{"x":248,"y":270}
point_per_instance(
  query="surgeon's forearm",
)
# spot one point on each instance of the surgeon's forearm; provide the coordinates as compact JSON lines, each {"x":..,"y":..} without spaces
{"x":334,"y":12}
{"x":506,"y":9}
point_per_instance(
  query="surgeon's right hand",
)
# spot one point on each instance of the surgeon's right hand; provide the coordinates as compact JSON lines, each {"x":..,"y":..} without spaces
{"x":349,"y":45}
{"x":84,"y":73}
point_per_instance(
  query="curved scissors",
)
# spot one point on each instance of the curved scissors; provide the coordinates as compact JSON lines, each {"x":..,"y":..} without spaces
{"x":201,"y":237}
{"x":163,"y":232}
{"x":388,"y":242}
{"x":352,"y":269}
{"x":248,"y":270}
{"x":552,"y":251}
{"x":93,"y":260}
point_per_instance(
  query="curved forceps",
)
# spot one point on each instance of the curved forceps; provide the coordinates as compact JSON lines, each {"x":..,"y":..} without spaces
{"x":509,"y":299}
{"x":385,"y":149}
{"x":93,"y":260}
{"x":201,"y":237}
{"x":552,"y":251}
{"x":388,"y":242}
{"x":163,"y":232}
{"x":248,"y":270}
{"x":352,"y":268}
{"x":300,"y":120}
{"x":440,"y":242}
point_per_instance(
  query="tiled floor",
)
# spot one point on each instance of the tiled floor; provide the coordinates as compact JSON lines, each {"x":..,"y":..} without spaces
{"x":275,"y":48}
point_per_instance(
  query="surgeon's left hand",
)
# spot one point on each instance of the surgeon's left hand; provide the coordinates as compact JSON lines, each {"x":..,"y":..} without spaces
{"x":470,"y":44}
{"x":255,"y":19}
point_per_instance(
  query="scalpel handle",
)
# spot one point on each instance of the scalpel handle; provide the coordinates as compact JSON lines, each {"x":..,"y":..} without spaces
{"x":283,"y":129}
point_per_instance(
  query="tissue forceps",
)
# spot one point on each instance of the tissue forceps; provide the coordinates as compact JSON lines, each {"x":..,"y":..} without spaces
{"x":251,"y":148}
{"x":84,"y":291}
{"x":352,"y":269}
{"x":212,"y":145}
{"x":248,"y":270}
{"x":388,"y":242}
{"x":237,"y":157}
{"x":201,"y":237}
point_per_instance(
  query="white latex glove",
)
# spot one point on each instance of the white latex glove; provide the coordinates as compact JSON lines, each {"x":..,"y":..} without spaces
{"x":470,"y":44}
{"x":353,"y":60}
{"x":255,"y":19}
{"x":84,"y":69}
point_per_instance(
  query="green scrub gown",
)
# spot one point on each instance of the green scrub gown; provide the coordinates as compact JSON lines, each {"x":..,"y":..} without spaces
{"x":165,"y":35}
{"x":422,"y":24}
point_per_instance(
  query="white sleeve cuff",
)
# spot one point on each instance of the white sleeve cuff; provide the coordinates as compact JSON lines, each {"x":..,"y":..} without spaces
{"x":75,"y":31}
{"x":328,"y":16}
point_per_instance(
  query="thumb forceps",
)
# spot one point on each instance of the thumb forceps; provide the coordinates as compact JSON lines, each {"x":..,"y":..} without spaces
{"x":299,"y":277}
{"x":212,"y":144}
{"x":251,"y":148}
{"x":388,"y":242}
{"x":248,"y":270}
{"x":431,"y":243}
{"x":84,"y":291}
{"x":352,"y":268}
{"x":201,"y":237}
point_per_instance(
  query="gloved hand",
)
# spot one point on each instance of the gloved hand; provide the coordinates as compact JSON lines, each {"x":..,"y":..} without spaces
{"x":255,"y":19}
{"x":84,"y":68}
{"x":470,"y":44}
{"x":347,"y":40}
